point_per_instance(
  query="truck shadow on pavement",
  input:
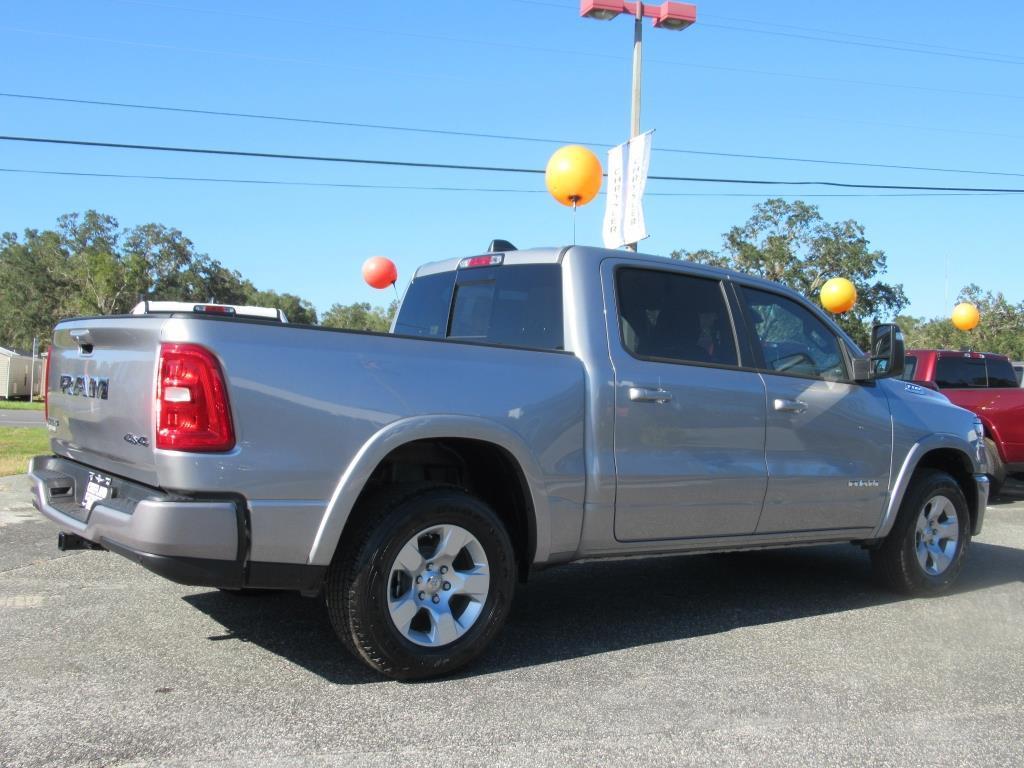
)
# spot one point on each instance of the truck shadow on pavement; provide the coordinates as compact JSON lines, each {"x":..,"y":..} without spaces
{"x":601,"y":606}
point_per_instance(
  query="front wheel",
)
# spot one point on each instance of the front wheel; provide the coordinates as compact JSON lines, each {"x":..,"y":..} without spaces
{"x":924,"y":551}
{"x":424,"y":584}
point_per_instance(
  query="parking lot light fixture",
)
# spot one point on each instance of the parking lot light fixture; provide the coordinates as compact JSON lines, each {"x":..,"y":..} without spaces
{"x":674,"y":16}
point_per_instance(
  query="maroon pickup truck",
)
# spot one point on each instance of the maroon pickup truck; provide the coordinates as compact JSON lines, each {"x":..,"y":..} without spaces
{"x":986,"y":384}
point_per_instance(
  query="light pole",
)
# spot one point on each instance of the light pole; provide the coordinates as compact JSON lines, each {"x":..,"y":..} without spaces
{"x":675,"y":16}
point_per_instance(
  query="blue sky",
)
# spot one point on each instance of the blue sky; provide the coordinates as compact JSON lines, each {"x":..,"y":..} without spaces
{"x":745,"y":79}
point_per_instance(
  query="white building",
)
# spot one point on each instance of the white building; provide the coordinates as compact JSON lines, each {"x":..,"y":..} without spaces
{"x":16,"y":375}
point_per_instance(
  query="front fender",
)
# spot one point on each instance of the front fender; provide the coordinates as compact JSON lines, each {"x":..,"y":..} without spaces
{"x":404,"y":431}
{"x":910,"y":463}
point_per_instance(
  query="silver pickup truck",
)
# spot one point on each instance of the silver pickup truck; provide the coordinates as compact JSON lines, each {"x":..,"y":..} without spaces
{"x":529,"y":408}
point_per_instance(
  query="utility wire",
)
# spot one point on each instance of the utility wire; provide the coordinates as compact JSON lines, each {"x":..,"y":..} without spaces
{"x":487,"y":168}
{"x":560,"y":52}
{"x":479,"y":135}
{"x":287,"y":183}
{"x":907,"y":46}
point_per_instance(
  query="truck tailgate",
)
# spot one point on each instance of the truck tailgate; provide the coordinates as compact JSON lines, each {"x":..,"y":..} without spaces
{"x":101,"y":392}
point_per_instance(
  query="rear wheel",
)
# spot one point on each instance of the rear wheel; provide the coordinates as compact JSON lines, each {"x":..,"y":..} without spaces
{"x":424,"y":584}
{"x":925,"y":550}
{"x":996,"y":468}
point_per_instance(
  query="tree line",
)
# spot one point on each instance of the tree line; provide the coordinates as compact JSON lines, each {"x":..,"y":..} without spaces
{"x":89,"y":265}
{"x":791,"y":243}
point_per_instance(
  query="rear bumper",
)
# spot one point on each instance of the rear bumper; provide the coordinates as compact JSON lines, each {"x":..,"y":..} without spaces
{"x":199,"y":542}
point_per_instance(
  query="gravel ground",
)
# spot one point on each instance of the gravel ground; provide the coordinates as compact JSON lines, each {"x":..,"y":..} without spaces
{"x":786,"y":658}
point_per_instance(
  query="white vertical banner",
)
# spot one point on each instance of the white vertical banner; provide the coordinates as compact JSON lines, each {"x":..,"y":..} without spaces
{"x":628,"y":165}
{"x":614,"y":197}
{"x":634,"y":228}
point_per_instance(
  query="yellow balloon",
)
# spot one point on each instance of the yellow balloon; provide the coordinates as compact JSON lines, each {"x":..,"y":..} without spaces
{"x":573,"y":175}
{"x":966,"y":316}
{"x":838,"y":295}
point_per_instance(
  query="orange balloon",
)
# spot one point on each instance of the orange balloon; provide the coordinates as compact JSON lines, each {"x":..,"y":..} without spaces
{"x":966,"y":316}
{"x":573,"y":175}
{"x":379,"y":272}
{"x":838,"y":295}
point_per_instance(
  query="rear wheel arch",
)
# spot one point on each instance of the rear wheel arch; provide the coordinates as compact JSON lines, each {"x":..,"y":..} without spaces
{"x":486,"y":458}
{"x":483,"y":469}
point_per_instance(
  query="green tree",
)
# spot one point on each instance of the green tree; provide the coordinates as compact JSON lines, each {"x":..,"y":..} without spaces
{"x":360,"y":317}
{"x":791,"y":243}
{"x":1001,"y":329}
{"x":295,"y":308}
{"x":88,"y":265}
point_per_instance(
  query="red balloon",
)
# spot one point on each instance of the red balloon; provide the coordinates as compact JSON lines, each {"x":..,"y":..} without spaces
{"x":380,"y":272}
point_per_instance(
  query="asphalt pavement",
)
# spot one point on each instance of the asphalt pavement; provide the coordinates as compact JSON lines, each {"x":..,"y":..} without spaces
{"x":780,"y":658}
{"x":13,"y":418}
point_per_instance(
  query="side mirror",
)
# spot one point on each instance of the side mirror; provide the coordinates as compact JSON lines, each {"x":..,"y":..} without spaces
{"x":887,"y":357}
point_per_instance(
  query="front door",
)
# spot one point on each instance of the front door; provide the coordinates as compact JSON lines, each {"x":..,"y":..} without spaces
{"x":829,"y":440}
{"x":689,"y":422}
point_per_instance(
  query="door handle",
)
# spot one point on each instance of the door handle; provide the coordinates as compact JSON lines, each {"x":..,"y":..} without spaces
{"x":649,"y":395}
{"x":790,"y":406}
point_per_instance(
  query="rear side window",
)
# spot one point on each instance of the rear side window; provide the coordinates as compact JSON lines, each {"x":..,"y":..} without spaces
{"x":960,"y":372}
{"x":425,"y":308}
{"x":674,"y":317}
{"x":1000,"y":373}
{"x":518,"y":306}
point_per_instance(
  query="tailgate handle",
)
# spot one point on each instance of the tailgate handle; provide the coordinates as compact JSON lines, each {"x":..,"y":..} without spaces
{"x":82,"y":337}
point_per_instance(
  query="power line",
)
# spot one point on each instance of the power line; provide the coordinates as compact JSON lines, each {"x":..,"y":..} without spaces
{"x":560,"y":52}
{"x":480,"y":135}
{"x":486,"y":168}
{"x":418,"y":188}
{"x":906,"y":46}
{"x":266,"y":182}
{"x":858,"y":36}
{"x":861,"y":44}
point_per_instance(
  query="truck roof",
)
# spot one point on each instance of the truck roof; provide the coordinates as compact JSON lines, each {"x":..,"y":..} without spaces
{"x":558,"y":254}
{"x":957,"y":353}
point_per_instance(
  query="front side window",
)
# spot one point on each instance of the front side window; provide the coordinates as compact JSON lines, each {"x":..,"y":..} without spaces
{"x":674,"y":317}
{"x":792,"y":339}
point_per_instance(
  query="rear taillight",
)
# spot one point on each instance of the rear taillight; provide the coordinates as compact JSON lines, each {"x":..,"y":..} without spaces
{"x":192,"y":412}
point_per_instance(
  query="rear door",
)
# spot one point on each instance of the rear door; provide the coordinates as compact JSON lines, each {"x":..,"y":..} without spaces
{"x":829,"y":439}
{"x":689,"y":419}
{"x":100,"y":391}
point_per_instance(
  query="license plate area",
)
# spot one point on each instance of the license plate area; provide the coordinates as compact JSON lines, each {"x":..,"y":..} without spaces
{"x":97,"y":489}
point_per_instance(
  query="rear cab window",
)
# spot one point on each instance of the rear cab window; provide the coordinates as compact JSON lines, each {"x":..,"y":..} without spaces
{"x":960,"y":372}
{"x":516,"y":305}
{"x":1000,"y":373}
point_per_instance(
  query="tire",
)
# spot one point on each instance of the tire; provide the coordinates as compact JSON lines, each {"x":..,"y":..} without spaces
{"x":925,"y":550}
{"x":996,"y":468}
{"x":457,"y":546}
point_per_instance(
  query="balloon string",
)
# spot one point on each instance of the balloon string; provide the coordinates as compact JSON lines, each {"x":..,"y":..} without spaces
{"x":574,"y":221}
